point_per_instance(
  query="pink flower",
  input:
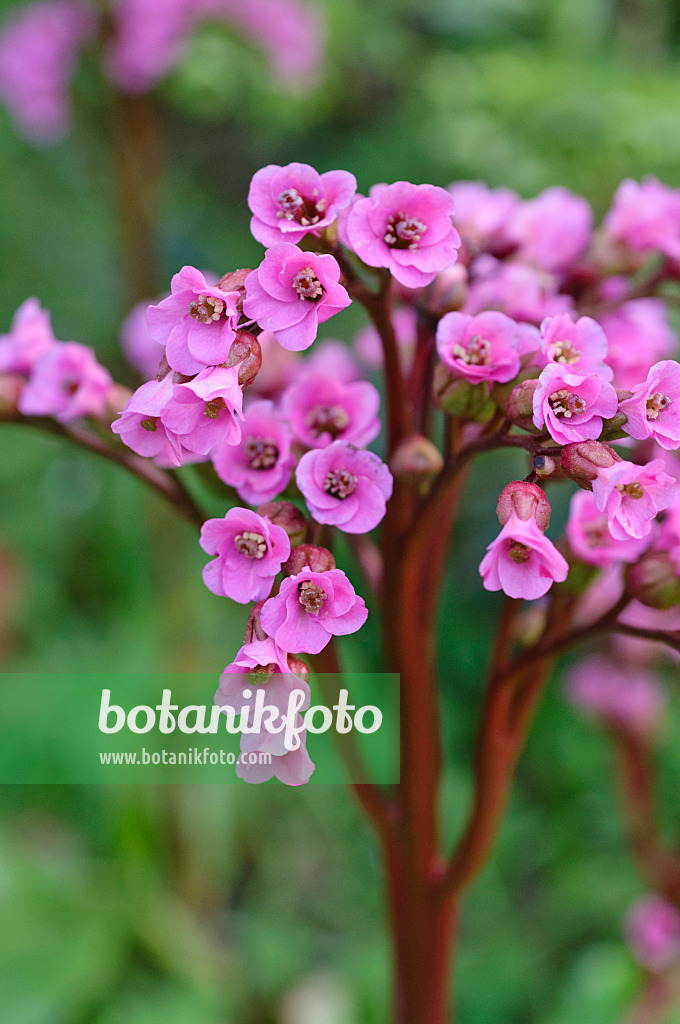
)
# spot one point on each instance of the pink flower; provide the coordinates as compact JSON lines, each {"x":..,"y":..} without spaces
{"x":553,"y":229}
{"x":310,"y":608}
{"x":631,"y":496}
{"x":147,"y":41}
{"x":653,"y":932}
{"x":259,"y":466}
{"x":645,"y":216}
{"x":321,"y":410}
{"x":479,"y":348}
{"x":622,"y":695}
{"x":66,"y":382}
{"x":195,"y":323}
{"x":345,"y":486}
{"x":333,"y":358}
{"x":292,"y":292}
{"x":572,"y":406}
{"x":202,"y":412}
{"x":141,"y":350}
{"x":38,"y":53}
{"x":406,"y":228}
{"x":581,"y":346}
{"x":29,"y":338}
{"x":590,"y":537}
{"x":521,"y":561}
{"x":250,"y":551}
{"x":638,"y":333}
{"x":483,"y":214}
{"x":519,"y":291}
{"x":294,"y":768}
{"x":141,"y":427}
{"x":292,"y":201}
{"x":654,"y":409}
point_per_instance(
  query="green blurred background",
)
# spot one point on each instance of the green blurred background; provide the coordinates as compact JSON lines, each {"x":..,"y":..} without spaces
{"x":261,"y":905}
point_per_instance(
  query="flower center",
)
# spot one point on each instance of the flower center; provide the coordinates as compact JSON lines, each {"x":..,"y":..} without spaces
{"x":69,"y":386}
{"x":404,"y":232}
{"x":206,"y":309}
{"x":327,"y":419}
{"x":339,"y":483}
{"x":634,"y":490}
{"x":261,"y":673}
{"x":260,"y":452}
{"x":150,"y":424}
{"x":596,"y":533}
{"x":567,"y":404}
{"x":519,"y":553}
{"x":656,"y":403}
{"x":311,"y":596}
{"x":564,"y":352}
{"x":477,"y":353}
{"x":252,"y":545}
{"x":307,"y":285}
{"x":213,"y":408}
{"x":293,"y":206}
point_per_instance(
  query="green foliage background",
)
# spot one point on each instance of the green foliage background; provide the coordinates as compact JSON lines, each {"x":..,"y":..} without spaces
{"x":235,"y":904}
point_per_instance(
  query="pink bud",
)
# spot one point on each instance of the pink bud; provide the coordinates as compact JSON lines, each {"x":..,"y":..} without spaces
{"x":416,"y":460}
{"x":254,"y":630}
{"x":287,"y":516}
{"x":307,"y":556}
{"x":654,"y":580}
{"x":245,"y":350}
{"x":520,"y":407}
{"x":524,"y":500}
{"x":233,"y":281}
{"x":583,"y":460}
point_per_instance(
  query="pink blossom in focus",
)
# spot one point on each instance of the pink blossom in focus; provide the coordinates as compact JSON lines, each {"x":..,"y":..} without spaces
{"x":479,"y":348}
{"x":483,"y":214}
{"x":29,"y":338}
{"x":522,"y":562}
{"x":195,"y":323}
{"x":141,"y":350}
{"x":320,"y":410}
{"x":345,"y":486}
{"x":406,"y":228}
{"x":203,"y":411}
{"x":250,"y":551}
{"x":572,"y":406}
{"x":38,"y":51}
{"x":645,"y":216}
{"x":260,"y":465}
{"x":66,"y":382}
{"x":590,"y":538}
{"x":653,"y":932}
{"x":631,"y":496}
{"x":654,"y":409}
{"x":581,"y":346}
{"x":310,"y":608}
{"x":520,"y":291}
{"x":639,"y":334}
{"x":290,"y":202}
{"x":292,"y":292}
{"x":553,"y":229}
{"x":147,"y":41}
{"x":140,"y":425}
{"x":627,"y":696}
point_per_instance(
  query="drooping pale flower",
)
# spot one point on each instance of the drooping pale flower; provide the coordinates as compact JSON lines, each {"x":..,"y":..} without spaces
{"x":591,"y":539}
{"x":290,"y":202}
{"x":406,"y":228}
{"x":292,"y":292}
{"x":622,"y":695}
{"x":141,"y":426}
{"x":196,"y":322}
{"x":479,"y":348}
{"x":310,"y":608}
{"x":521,"y":561}
{"x":572,"y":406}
{"x":631,"y":496}
{"x":580,"y":347}
{"x":260,"y":465}
{"x":483,"y":214}
{"x":29,"y":338}
{"x":345,"y":486}
{"x":294,"y":768}
{"x":645,"y":216}
{"x":202,"y":412}
{"x":321,"y":410}
{"x":553,"y":229}
{"x":639,"y":334}
{"x":250,"y":551}
{"x":653,"y":932}
{"x":654,"y":409}
{"x":66,"y":382}
{"x":141,"y":350}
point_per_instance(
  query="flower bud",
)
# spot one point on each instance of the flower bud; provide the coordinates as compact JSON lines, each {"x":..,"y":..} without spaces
{"x":524,"y":500}
{"x":245,"y":349}
{"x":416,"y":460}
{"x":583,"y":460}
{"x":654,"y":580}
{"x":298,"y":667}
{"x":288,"y":517}
{"x":458,"y":397}
{"x":11,"y":385}
{"x":254,"y":630}
{"x":306,"y":556}
{"x":233,"y":281}
{"x":520,"y":406}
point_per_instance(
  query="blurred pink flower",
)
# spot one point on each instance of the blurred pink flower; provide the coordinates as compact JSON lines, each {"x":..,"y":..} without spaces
{"x":645,"y":216}
{"x":627,"y":696}
{"x":141,"y":350}
{"x":639,"y":334}
{"x":653,"y":932}
{"x":483,"y":214}
{"x":29,"y":338}
{"x":552,"y":230}
{"x":66,"y":382}
{"x":321,"y":410}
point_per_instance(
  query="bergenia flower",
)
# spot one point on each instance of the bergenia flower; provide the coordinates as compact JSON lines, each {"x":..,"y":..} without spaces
{"x":406,"y":228}
{"x":147,"y":41}
{"x":250,"y":551}
{"x":572,"y":406}
{"x":141,"y":350}
{"x":580,"y":347}
{"x":292,"y":292}
{"x":195,"y":322}
{"x":29,"y":338}
{"x":290,"y":202}
{"x":321,"y":409}
{"x":334,"y":358}
{"x":590,"y":538}
{"x":654,"y":409}
{"x":66,"y":382}
{"x":553,"y":229}
{"x":345,"y":486}
{"x":638,"y":333}
{"x":141,"y":426}
{"x":312,"y":607}
{"x":260,"y":465}
{"x":622,"y":695}
{"x":653,"y":932}
{"x":516,"y":289}
{"x":522,"y":562}
{"x":202,"y":412}
{"x":483,"y":214}
{"x":645,"y":216}
{"x":631,"y":496}
{"x":479,"y":348}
